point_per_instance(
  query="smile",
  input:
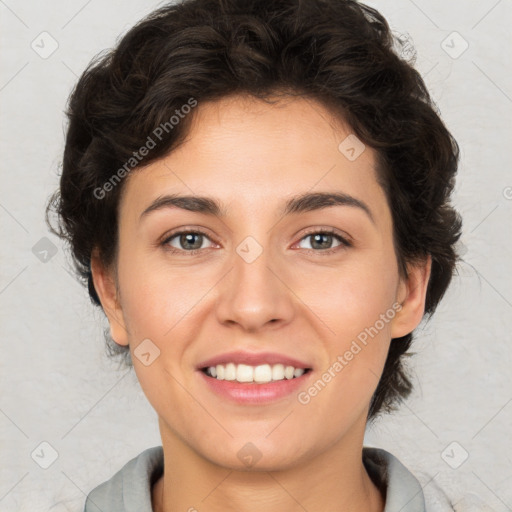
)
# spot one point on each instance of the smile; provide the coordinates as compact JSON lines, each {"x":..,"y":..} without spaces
{"x":260,"y":374}
{"x":255,"y":392}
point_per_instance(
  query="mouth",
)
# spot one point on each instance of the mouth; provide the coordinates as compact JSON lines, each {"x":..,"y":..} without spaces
{"x":260,"y":385}
{"x":254,"y":378}
{"x":248,"y":374}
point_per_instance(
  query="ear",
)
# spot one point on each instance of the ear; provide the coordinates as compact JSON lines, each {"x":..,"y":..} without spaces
{"x":411,"y":294}
{"x":105,"y":285}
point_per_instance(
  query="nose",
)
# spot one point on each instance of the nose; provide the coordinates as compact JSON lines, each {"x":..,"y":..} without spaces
{"x":254,"y":295}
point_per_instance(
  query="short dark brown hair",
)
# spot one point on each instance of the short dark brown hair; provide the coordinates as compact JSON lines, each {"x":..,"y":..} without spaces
{"x":339,"y":52}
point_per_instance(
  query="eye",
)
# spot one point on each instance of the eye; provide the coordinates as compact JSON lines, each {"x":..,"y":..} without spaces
{"x":186,"y":241}
{"x":321,"y":241}
{"x":191,"y":242}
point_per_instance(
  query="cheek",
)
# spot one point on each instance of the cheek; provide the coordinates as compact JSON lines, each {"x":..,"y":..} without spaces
{"x":353,"y":300}
{"x":358,"y":312}
{"x":155,"y":306}
{"x":167,"y":306}
{"x":155,"y":299}
{"x":357,"y":307}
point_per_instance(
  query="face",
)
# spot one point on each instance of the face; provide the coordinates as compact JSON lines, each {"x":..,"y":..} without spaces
{"x":318,"y":287}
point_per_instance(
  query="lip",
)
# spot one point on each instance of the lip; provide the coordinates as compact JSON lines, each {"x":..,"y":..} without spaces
{"x":253,"y":359}
{"x":254,"y":393}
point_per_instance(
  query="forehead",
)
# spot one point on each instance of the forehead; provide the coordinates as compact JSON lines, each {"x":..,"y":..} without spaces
{"x":289,"y":129}
{"x":252,"y":154}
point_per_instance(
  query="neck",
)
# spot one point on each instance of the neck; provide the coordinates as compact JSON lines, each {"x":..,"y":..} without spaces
{"x":333,"y":480}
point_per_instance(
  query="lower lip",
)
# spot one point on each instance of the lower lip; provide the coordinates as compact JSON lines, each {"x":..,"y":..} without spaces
{"x":253,"y":393}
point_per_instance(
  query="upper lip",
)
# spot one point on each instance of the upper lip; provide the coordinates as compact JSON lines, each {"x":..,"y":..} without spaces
{"x":253,"y":359}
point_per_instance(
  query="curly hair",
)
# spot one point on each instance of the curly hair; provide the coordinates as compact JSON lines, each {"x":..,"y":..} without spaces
{"x":340,"y":53}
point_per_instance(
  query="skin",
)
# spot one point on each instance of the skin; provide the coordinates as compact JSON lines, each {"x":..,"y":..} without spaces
{"x":292,"y":299}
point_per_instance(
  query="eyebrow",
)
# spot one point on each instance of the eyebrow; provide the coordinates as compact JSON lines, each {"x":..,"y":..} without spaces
{"x":306,"y":202}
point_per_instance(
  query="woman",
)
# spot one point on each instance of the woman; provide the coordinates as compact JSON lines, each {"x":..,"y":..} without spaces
{"x":257,"y":194}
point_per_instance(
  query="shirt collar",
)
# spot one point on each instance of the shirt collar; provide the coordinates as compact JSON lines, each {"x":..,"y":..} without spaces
{"x":402,"y":491}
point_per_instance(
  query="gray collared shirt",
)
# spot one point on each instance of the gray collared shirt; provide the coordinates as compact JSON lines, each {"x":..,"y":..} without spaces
{"x":129,"y":490}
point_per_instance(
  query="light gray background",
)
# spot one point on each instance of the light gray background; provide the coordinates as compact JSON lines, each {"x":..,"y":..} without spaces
{"x":59,"y":387}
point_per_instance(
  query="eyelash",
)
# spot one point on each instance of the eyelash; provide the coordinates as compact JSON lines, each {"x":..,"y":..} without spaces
{"x":344,"y":242}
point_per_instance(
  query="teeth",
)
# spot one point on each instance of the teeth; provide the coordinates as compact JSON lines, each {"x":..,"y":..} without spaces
{"x":259,"y":374}
{"x":262,"y":373}
{"x":230,"y":373}
{"x":278,"y":372}
{"x":244,"y":373}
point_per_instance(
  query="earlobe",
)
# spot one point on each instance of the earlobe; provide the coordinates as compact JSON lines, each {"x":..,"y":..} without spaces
{"x":412,"y":295}
{"x":105,"y":286}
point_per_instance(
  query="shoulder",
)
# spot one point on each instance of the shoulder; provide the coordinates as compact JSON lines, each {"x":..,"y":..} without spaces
{"x":130,"y":488}
{"x":401,"y":488}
